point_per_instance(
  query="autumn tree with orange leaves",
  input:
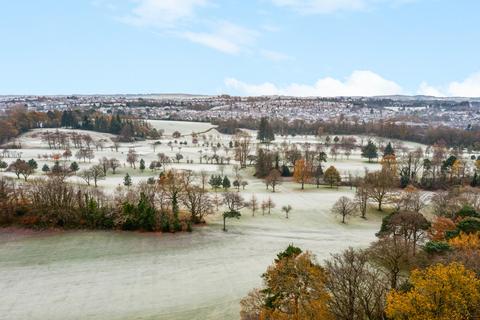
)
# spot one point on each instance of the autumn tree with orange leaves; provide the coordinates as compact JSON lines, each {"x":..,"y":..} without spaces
{"x":294,"y":289}
{"x":303,"y":172}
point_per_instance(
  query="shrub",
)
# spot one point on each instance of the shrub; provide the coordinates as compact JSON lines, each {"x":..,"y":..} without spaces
{"x":469,"y":225}
{"x":467,"y":211}
{"x":436,"y":247}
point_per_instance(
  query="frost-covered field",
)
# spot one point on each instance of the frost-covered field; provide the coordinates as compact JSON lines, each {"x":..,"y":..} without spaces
{"x":199,"y":275}
{"x":202,"y":275}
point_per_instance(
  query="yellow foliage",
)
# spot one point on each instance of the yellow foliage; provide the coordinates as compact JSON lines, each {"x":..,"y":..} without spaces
{"x":389,"y":162}
{"x":440,"y":292}
{"x":302,"y":171}
{"x":466,"y":241}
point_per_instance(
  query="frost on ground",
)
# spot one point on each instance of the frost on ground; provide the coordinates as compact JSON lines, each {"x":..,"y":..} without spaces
{"x":202,"y":275}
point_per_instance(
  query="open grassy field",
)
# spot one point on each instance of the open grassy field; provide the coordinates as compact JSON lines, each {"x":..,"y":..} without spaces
{"x":199,"y":275}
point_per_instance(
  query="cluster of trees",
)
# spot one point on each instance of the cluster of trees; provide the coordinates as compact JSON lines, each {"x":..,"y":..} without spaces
{"x":305,"y":164}
{"x":170,"y":203}
{"x":452,"y":137}
{"x":19,"y":120}
{"x":173,"y":202}
{"x":417,"y":269}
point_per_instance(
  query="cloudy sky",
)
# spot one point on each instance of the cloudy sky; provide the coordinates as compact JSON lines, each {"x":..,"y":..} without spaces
{"x":241,"y":47}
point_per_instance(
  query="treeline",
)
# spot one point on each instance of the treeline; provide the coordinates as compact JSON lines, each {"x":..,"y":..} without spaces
{"x":19,"y":120}
{"x":432,"y":168}
{"x":452,"y":137}
{"x":170,"y":203}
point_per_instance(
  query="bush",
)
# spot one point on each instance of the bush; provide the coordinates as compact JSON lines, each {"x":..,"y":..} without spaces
{"x":467,"y":211}
{"x":436,"y":247}
{"x":469,"y":225}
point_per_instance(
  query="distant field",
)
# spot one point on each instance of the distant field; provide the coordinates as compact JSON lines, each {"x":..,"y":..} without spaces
{"x":183,"y":126}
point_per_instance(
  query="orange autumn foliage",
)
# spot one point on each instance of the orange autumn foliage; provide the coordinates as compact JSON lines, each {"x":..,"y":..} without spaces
{"x":466,"y":241}
{"x":439,"y":226}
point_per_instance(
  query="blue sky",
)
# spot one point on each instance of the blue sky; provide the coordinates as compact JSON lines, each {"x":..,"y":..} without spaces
{"x":292,"y":47}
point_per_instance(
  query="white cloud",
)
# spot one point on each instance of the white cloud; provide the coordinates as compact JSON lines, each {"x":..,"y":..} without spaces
{"x":178,"y":18}
{"x":274,"y":55}
{"x":226,"y":37}
{"x":321,"y":6}
{"x":330,"y":6}
{"x":359,"y":83}
{"x":162,"y":13}
{"x":470,"y":87}
{"x":428,"y":90}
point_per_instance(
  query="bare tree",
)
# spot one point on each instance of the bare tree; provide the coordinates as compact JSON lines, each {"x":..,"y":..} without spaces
{"x":132,"y":158}
{"x":253,"y":204}
{"x":344,"y":207}
{"x":244,"y":184}
{"x":357,"y":289}
{"x":97,"y":174}
{"x":392,"y":257}
{"x":270,"y":205}
{"x":287,"y":210}
{"x":89,"y":154}
{"x":243,"y":147}
{"x":105,"y":163}
{"x":204,"y":178}
{"x":234,"y":201}
{"x":273,"y":179}
{"x":114,"y":164}
{"x":198,"y":202}
{"x":86,"y":175}
{"x":379,"y":184}
{"x":361,"y":198}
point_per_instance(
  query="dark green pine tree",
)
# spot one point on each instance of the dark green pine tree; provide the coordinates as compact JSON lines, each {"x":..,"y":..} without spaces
{"x":116,"y":124}
{"x":215,"y":182}
{"x":226,"y":183}
{"x":127,"y":180}
{"x":142,"y":165}
{"x":388,"y":151}
{"x":475,"y":181}
{"x":265,"y":132}
{"x":74,"y":166}
{"x":370,"y":151}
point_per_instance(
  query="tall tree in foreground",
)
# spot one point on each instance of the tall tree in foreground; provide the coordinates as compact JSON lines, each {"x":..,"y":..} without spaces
{"x":294,"y":288}
{"x":356,"y":288}
{"x":440,"y":292}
